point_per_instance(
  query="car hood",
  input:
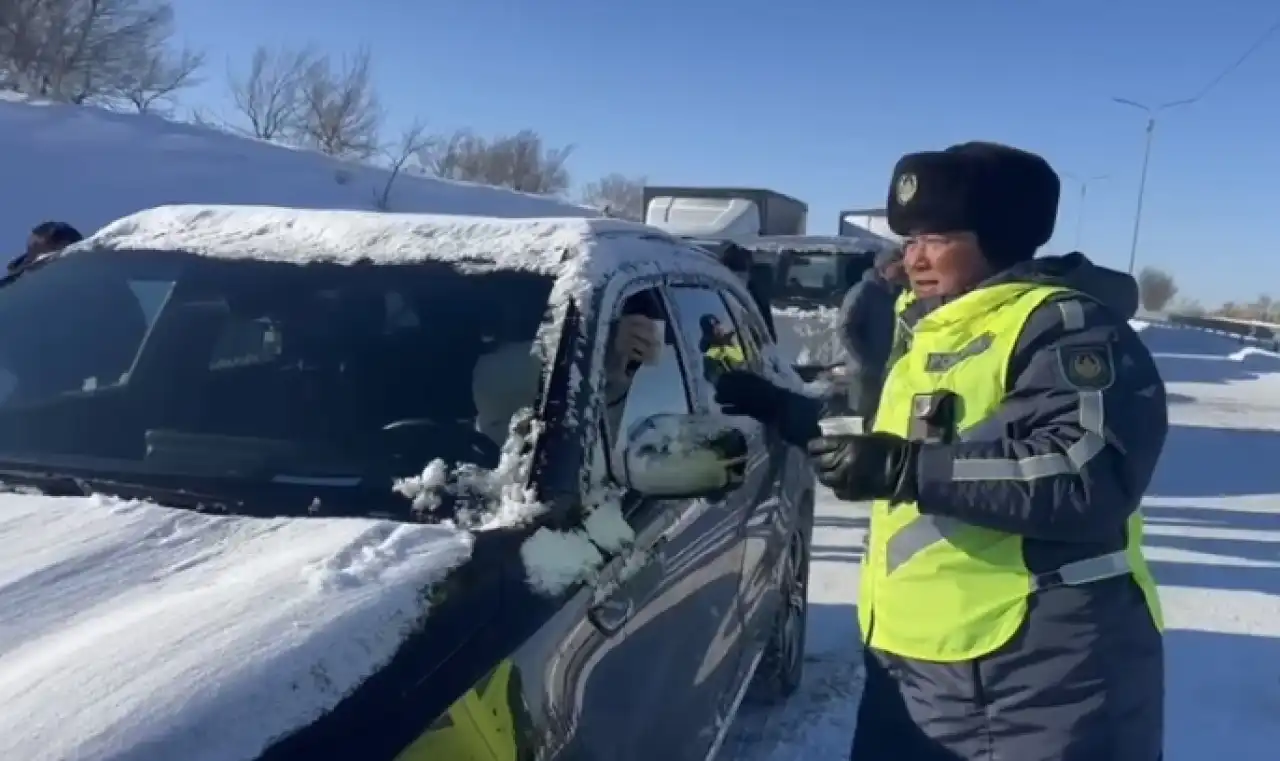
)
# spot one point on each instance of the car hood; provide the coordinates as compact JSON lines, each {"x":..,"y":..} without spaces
{"x":132,"y":630}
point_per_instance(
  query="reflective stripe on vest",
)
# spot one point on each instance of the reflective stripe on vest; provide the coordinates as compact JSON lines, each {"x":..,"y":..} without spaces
{"x":940,"y":589}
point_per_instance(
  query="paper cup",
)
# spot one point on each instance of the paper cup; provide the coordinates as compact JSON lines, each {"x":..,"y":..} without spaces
{"x":659,"y":334}
{"x":850,"y":425}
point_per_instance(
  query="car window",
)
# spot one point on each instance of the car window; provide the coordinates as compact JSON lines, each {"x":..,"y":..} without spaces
{"x":656,"y":386}
{"x":710,"y":330}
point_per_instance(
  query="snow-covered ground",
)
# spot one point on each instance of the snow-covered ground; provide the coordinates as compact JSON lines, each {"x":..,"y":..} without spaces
{"x":1213,"y":539}
{"x":87,"y":166}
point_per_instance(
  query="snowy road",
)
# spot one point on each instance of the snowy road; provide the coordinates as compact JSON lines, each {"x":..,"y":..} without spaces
{"x":1213,"y":539}
{"x":818,"y":723}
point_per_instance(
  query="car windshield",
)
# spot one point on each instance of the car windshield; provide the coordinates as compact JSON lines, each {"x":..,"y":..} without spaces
{"x":167,"y":362}
{"x":809,"y":279}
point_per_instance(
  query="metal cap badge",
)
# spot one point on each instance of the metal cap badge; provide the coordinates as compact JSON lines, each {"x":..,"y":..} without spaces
{"x":905,"y":188}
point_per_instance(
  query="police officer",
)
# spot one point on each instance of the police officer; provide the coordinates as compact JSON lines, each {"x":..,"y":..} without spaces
{"x":1006,"y":608}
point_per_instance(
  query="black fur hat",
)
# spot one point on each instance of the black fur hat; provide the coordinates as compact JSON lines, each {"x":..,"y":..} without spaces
{"x":1007,"y":197}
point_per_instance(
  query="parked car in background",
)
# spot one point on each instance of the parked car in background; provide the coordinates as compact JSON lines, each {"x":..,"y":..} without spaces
{"x":310,"y":393}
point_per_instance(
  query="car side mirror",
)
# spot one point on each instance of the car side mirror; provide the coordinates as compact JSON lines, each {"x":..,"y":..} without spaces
{"x":672,"y":456}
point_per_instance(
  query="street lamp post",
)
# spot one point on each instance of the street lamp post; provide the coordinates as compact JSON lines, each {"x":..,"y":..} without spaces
{"x":1151,"y":113}
{"x":1084,"y":193}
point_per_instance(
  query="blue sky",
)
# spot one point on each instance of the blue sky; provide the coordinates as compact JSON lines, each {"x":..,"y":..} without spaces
{"x":819,"y":98}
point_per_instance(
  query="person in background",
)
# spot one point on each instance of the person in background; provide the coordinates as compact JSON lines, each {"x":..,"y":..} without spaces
{"x":721,"y":351}
{"x":1006,"y":608}
{"x":46,"y":238}
{"x":865,"y":329}
{"x":741,"y":262}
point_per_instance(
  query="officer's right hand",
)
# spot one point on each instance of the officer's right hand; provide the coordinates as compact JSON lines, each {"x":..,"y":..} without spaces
{"x":740,"y":392}
{"x":866,"y":466}
{"x":793,"y":416}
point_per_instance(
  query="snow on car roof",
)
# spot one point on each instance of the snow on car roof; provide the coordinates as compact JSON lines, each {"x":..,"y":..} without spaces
{"x":303,"y":235}
{"x":567,"y":248}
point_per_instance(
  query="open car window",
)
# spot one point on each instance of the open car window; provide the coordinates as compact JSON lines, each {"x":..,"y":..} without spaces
{"x":177,"y":361}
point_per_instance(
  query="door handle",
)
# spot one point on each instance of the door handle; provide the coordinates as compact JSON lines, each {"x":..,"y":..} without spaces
{"x":611,"y":615}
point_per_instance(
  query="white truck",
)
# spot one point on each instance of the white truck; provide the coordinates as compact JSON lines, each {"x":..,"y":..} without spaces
{"x":723,"y":212}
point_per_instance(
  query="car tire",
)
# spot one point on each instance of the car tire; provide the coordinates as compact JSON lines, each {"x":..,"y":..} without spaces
{"x":781,"y":667}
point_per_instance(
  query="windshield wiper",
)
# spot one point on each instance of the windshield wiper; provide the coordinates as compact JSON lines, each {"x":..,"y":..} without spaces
{"x":62,"y":484}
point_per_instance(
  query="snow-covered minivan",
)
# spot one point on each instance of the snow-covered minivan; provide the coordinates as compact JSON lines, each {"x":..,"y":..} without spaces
{"x":299,"y":485}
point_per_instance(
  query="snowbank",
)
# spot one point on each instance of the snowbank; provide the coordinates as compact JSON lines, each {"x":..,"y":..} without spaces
{"x":197,"y":637}
{"x":88,"y":167}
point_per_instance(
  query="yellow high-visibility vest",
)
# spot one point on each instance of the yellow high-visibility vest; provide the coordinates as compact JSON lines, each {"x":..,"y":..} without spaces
{"x":936,"y":590}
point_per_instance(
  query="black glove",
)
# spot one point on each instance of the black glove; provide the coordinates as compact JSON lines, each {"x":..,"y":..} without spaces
{"x":870,"y":466}
{"x":793,"y":416}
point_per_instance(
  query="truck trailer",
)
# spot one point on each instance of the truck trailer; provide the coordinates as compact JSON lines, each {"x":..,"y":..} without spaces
{"x":857,"y":223}
{"x":723,"y":212}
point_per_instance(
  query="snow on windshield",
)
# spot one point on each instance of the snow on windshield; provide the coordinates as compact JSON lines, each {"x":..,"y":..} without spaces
{"x":124,"y":622}
{"x":480,"y":497}
{"x":484,"y":499}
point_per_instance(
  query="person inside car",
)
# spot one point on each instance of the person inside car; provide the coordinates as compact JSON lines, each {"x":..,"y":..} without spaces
{"x":633,"y":341}
{"x":46,"y":238}
{"x":506,"y":379}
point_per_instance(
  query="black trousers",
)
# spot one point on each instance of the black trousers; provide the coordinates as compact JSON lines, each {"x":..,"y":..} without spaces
{"x":885,"y":730}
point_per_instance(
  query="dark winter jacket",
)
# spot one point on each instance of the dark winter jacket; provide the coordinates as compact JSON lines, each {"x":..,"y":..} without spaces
{"x":864,"y":327}
{"x":1084,"y":678}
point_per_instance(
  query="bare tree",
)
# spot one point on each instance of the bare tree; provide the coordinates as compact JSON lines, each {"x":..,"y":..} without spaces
{"x":1156,"y":288}
{"x":460,"y":156}
{"x":617,"y":195}
{"x":340,"y":113}
{"x":412,"y":143}
{"x":89,"y":50}
{"x":520,"y":161}
{"x":269,"y":95}
{"x":155,"y":81}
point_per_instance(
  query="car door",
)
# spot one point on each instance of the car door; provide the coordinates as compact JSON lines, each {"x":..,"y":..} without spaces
{"x":767,"y":525}
{"x":699,"y":305}
{"x":682,"y":584}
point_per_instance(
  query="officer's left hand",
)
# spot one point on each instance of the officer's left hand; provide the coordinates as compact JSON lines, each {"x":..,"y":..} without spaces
{"x":867,"y":466}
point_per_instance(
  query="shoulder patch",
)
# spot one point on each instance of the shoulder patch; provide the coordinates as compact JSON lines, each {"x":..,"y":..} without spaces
{"x":1088,"y":367}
